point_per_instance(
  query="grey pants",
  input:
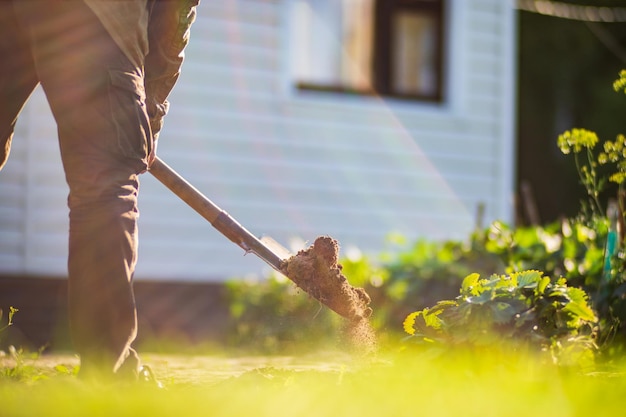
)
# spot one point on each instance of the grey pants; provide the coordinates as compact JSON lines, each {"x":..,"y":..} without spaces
{"x":97,"y":97}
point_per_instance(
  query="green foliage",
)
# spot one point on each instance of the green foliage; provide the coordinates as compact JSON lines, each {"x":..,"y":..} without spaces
{"x":273,"y":315}
{"x":573,"y":248}
{"x":613,"y":156}
{"x":525,"y":307}
{"x":553,"y":314}
{"x":579,"y":141}
{"x":21,"y":365}
{"x":24,"y":367}
{"x":12,"y":311}
{"x":615,"y":153}
{"x":422,"y":273}
{"x":620,"y":84}
{"x":605,"y":280}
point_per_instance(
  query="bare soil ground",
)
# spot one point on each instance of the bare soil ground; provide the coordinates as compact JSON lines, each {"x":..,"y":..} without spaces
{"x":183,"y":369}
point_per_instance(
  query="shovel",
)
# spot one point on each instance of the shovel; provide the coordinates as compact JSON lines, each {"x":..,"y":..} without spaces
{"x":315,"y":270}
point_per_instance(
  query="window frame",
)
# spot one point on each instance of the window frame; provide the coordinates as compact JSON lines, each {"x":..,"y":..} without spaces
{"x":383,"y":41}
{"x":382,"y":64}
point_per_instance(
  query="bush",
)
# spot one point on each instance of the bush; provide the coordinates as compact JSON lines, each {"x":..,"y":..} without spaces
{"x":526,"y":308}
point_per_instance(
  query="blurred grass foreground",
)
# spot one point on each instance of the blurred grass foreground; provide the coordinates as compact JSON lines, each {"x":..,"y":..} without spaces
{"x":484,"y":382}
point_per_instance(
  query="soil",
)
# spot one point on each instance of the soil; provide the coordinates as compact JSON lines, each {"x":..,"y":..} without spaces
{"x":316,"y":270}
{"x":186,"y":370}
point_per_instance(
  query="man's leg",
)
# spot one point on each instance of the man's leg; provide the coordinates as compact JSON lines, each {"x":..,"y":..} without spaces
{"x":17,"y":75}
{"x":97,"y":98}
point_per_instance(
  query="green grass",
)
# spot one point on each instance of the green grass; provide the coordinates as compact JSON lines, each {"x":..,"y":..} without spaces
{"x":481,"y":383}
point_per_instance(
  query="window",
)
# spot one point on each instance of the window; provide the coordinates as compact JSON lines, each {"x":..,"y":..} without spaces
{"x":386,"y":47}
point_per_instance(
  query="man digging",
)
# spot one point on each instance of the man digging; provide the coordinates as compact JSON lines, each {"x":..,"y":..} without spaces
{"x":106,"y":68}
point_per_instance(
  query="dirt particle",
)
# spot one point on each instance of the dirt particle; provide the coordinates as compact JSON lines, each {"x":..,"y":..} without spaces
{"x":317,"y":272}
{"x":359,"y":336}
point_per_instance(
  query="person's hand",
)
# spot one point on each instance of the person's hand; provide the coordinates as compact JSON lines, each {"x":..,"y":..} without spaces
{"x":156,"y":113}
{"x":153,"y":154}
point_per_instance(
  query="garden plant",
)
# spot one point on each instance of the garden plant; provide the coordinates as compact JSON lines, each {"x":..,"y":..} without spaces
{"x":583,"y":256}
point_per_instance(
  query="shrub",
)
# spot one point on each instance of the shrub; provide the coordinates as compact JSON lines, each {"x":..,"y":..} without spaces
{"x":526,"y":307}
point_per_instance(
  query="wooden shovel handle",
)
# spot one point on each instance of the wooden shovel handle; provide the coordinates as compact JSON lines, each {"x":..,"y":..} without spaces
{"x":220,"y":219}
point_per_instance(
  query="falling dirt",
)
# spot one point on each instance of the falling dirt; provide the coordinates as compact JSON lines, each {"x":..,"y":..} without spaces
{"x":316,"y":270}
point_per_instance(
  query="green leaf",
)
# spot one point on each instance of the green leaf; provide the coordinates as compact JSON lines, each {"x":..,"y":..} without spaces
{"x":582,"y":312}
{"x":502,"y":312}
{"x":528,"y":279}
{"x":526,"y":237}
{"x":442,"y":305}
{"x":12,"y":311}
{"x":480,"y":299}
{"x":409,"y":322}
{"x":541,"y":287}
{"x":578,"y":305}
{"x":470,"y":284}
{"x":431,"y":318}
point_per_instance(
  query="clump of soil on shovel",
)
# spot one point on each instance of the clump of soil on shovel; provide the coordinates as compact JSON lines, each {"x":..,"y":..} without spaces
{"x":317,"y":272}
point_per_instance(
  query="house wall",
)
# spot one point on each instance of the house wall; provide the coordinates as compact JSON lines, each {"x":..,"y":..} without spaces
{"x":290,"y":164}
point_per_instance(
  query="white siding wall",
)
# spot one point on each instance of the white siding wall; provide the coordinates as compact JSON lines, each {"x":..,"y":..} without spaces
{"x":289,"y":164}
{"x":33,"y":193}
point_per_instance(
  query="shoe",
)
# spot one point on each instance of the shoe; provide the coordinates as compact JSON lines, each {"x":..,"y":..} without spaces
{"x":145,"y":375}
